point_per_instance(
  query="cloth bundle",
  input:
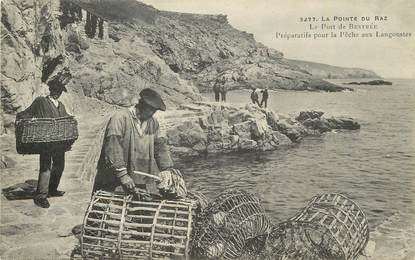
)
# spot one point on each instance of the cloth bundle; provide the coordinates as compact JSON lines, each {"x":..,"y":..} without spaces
{"x":172,"y":185}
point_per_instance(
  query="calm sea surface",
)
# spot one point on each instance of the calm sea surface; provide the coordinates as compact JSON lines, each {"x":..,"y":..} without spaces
{"x":375,"y":166}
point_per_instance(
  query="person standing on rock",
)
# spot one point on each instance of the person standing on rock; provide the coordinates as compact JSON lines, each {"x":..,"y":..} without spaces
{"x":265,"y":96}
{"x":132,"y":143}
{"x":254,"y":96}
{"x":223,"y":91}
{"x":52,"y":158}
{"x":216,"y":91}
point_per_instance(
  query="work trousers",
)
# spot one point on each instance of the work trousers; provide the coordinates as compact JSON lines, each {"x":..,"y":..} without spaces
{"x":50,"y":172}
{"x":264,"y":101}
{"x":223,"y":96}
{"x":217,"y":96}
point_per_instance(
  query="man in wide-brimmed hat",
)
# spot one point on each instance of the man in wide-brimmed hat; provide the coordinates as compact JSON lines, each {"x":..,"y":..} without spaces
{"x":52,"y":158}
{"x":133,"y":143}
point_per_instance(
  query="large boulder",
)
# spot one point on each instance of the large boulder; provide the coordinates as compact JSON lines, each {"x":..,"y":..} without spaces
{"x":187,"y":134}
{"x":304,"y":115}
{"x":343,"y":123}
{"x":320,"y":125}
{"x":243,"y":130}
{"x":291,"y":128}
{"x":247,"y":144}
{"x":218,"y":132}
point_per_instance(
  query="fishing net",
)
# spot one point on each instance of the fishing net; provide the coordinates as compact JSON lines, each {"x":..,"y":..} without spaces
{"x":233,"y":225}
{"x":331,"y":226}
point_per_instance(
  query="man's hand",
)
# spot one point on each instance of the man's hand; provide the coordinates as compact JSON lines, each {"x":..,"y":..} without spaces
{"x":127,"y":183}
{"x":172,"y":184}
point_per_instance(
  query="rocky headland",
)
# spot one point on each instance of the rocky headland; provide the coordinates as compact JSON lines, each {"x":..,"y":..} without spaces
{"x":326,"y":71}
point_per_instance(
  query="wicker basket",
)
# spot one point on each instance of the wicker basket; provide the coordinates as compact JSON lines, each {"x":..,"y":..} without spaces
{"x":119,"y":227}
{"x":331,"y":226}
{"x":36,"y":135}
{"x":234,"y":225}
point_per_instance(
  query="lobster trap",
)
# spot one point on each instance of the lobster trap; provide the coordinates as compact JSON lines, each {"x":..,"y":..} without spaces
{"x":36,"y":135}
{"x":233,"y":225}
{"x":331,"y":226}
{"x":119,"y":227}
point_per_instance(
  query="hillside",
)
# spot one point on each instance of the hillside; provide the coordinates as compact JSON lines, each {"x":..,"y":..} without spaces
{"x":203,"y":48}
{"x":110,"y":50}
{"x":332,"y":72}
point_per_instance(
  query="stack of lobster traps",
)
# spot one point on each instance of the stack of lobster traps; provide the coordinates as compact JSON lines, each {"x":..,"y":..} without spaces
{"x":234,"y":225}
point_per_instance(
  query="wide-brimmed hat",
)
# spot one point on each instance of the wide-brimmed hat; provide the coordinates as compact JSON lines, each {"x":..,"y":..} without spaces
{"x":153,"y":99}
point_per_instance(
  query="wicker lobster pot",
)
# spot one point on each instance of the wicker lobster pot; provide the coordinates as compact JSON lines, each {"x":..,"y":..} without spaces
{"x":331,"y":226}
{"x":233,"y":225}
{"x":36,"y":135}
{"x":118,"y":227}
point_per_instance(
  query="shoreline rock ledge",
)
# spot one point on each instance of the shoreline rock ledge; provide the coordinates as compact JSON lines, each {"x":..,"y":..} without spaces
{"x":203,"y":128}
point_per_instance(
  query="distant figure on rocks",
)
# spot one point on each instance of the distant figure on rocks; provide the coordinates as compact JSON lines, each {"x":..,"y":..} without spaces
{"x":265,"y":96}
{"x":254,"y":96}
{"x":52,"y":159}
{"x":223,"y":91}
{"x":216,"y":91}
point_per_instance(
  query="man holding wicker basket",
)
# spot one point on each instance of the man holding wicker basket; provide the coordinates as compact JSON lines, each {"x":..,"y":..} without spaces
{"x":52,"y":154}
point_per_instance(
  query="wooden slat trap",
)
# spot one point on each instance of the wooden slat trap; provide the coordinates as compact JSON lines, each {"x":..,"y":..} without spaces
{"x":118,"y":227}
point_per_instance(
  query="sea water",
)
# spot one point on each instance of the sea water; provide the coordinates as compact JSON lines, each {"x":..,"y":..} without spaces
{"x":374,"y":166}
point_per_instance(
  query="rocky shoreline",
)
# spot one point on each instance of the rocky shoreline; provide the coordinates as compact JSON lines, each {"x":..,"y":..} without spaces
{"x":203,"y":128}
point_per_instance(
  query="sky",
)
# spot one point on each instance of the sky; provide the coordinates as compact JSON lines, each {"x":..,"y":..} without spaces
{"x":388,"y":57}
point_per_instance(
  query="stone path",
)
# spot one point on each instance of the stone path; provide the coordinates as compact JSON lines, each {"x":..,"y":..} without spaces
{"x":30,"y":232}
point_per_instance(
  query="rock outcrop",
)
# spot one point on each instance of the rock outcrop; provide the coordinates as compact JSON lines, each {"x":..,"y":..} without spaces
{"x":325,"y":71}
{"x":376,"y":82}
{"x":42,"y":40}
{"x":212,"y":128}
{"x":32,"y":51}
{"x":115,"y":67}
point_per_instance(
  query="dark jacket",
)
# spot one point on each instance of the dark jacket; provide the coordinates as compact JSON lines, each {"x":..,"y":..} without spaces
{"x":43,"y":107}
{"x":265,"y":94}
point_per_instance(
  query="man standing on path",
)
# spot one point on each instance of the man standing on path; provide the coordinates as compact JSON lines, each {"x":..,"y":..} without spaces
{"x":132,"y":142}
{"x":265,"y":96}
{"x":52,"y":158}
